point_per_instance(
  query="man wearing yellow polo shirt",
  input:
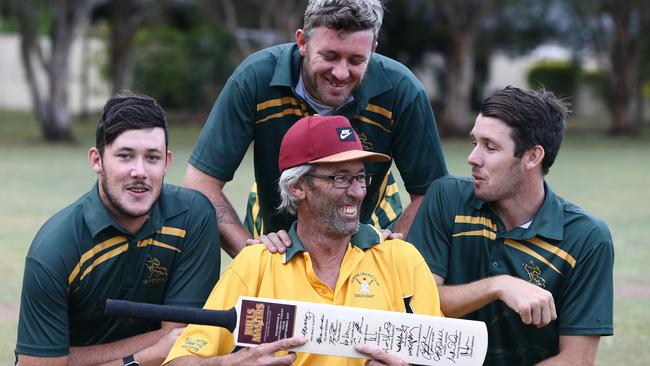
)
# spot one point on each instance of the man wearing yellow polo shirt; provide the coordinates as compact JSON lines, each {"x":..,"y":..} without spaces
{"x":333,"y":258}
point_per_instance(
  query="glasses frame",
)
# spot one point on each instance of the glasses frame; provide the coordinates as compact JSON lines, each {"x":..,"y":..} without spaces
{"x":364,"y":179}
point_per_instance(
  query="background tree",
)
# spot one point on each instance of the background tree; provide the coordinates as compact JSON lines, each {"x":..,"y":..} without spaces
{"x":65,"y":20}
{"x":618,"y":33}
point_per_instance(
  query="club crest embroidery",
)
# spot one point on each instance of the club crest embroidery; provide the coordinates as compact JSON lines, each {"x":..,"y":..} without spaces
{"x":157,"y":273}
{"x":534,"y":274}
{"x":366,"y":284}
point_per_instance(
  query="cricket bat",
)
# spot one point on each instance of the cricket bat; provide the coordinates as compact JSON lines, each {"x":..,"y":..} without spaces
{"x":331,"y":329}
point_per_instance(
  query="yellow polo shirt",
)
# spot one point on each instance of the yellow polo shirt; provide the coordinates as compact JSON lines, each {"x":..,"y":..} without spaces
{"x":374,"y":274}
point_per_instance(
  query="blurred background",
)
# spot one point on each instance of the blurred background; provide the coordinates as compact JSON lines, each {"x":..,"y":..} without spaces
{"x":61,"y":59}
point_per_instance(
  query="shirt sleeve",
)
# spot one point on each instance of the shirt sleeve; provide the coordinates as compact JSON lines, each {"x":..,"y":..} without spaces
{"x":416,"y":145}
{"x":421,"y":286}
{"x":227,"y":133}
{"x":586,"y":302}
{"x":43,"y":328}
{"x":431,"y":232}
{"x":210,"y":341}
{"x":198,"y":265}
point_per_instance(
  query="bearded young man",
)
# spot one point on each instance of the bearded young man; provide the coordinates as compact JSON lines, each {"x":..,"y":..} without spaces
{"x":323,"y":182}
{"x":331,"y":69}
{"x":506,"y":250}
{"x":130,"y":237}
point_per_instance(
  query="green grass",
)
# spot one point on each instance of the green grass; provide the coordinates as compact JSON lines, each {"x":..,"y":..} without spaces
{"x":607,"y":176}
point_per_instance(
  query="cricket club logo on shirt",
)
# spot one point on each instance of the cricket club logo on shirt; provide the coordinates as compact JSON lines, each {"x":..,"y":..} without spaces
{"x":345,"y":134}
{"x":534,"y":274}
{"x":366,"y":283}
{"x":157,"y":273}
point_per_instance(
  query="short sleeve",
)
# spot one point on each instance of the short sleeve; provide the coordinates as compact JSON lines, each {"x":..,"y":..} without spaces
{"x":416,"y":145}
{"x":586,"y":301}
{"x":43,"y":321}
{"x":227,"y":133}
{"x":198,"y":266}
{"x":431,"y":232}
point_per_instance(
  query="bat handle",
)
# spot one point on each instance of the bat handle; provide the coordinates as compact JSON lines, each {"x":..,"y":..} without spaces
{"x":131,"y":309}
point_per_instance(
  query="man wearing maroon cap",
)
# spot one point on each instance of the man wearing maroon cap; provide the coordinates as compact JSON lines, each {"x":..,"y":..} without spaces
{"x":333,"y":258}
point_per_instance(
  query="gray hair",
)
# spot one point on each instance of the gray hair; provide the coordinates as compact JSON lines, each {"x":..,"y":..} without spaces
{"x":290,"y":177}
{"x":344,"y":15}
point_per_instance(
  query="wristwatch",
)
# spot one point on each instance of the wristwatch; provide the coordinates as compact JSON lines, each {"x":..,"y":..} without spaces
{"x":130,"y":361}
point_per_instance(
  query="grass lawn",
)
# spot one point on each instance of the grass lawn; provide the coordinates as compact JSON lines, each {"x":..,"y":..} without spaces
{"x":607,"y":176}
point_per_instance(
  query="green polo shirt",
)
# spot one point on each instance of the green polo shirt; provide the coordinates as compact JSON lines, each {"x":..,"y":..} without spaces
{"x":390,"y":112}
{"x":565,"y":250}
{"x":81,"y":257}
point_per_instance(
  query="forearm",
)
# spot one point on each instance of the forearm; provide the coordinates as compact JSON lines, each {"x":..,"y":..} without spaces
{"x":112,"y":353}
{"x":199,"y":361}
{"x":406,"y":219}
{"x":231,"y":231}
{"x":459,"y":300}
{"x":149,"y":348}
{"x":578,"y":350}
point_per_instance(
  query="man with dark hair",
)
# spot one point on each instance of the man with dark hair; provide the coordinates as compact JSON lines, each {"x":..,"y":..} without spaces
{"x":506,"y":250}
{"x":331,"y":69}
{"x":131,"y":237}
{"x":333,"y":260}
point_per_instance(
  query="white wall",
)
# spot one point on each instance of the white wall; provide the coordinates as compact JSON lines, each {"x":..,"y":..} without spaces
{"x":14,"y":91}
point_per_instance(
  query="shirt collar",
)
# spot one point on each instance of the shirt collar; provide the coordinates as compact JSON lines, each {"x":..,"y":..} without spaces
{"x":375,"y":82}
{"x":367,"y":237}
{"x":548,"y":222}
{"x":98,"y":218}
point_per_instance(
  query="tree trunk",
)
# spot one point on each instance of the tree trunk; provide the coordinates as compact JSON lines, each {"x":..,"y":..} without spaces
{"x":125,"y":20}
{"x":50,"y":101}
{"x":457,"y":116}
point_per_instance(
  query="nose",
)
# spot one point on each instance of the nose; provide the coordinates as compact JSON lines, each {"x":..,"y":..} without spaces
{"x":137,"y":169}
{"x":341,"y":70}
{"x":473,"y":158}
{"x":356,"y":190}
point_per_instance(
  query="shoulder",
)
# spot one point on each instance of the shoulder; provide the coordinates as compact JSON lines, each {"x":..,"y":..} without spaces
{"x":579,"y":222}
{"x":401,"y":252}
{"x":194,"y":200}
{"x":397,"y":74}
{"x":262,"y":63}
{"x":60,"y":231}
{"x":451,"y":186}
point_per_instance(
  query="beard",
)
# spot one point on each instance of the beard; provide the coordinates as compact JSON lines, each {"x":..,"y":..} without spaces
{"x":115,"y":204}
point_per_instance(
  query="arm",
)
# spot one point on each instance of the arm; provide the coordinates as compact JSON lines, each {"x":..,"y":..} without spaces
{"x":149,"y":349}
{"x":232,"y":233}
{"x":575,"y":350}
{"x":533,"y":304}
{"x":406,"y":219}
{"x":263,"y":354}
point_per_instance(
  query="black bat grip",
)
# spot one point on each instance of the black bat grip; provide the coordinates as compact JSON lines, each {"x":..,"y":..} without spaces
{"x":131,"y":309}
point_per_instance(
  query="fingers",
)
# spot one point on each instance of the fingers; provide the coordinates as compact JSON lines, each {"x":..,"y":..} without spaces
{"x":274,"y":242}
{"x":387,"y":234}
{"x":378,"y":356}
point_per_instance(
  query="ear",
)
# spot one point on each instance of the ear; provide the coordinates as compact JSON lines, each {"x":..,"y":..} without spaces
{"x":533,"y":157}
{"x":374,"y":46}
{"x":168,"y":161}
{"x":301,"y":41}
{"x":95,"y":160}
{"x":298,"y":190}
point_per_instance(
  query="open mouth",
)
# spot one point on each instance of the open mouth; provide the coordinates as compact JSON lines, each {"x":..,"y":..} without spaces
{"x":138,"y":189}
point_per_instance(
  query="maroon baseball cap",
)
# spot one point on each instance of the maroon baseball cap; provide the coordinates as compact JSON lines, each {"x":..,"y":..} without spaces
{"x":323,"y":139}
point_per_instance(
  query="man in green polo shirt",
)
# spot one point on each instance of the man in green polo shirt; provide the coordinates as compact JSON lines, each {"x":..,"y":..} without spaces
{"x":506,"y":250}
{"x":130,"y":237}
{"x":331,"y":69}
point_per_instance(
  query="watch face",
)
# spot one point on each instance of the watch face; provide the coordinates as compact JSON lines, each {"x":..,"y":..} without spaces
{"x":129,"y":361}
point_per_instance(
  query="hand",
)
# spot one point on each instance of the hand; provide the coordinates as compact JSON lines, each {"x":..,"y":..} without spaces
{"x":274,"y":242}
{"x":377,"y":356}
{"x":391,"y":235}
{"x":157,"y":353}
{"x":264,"y":354}
{"x":533,"y":304}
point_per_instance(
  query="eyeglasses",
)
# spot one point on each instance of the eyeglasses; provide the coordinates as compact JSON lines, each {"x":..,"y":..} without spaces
{"x":345,"y":181}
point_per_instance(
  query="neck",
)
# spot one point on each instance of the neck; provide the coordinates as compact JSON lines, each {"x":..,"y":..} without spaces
{"x":326,"y":252}
{"x":522,"y":206}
